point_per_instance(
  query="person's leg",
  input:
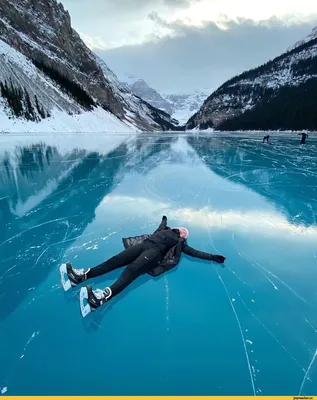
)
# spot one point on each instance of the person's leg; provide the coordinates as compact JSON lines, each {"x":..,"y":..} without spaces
{"x":77,"y":276}
{"x":120,"y":260}
{"x":142,"y":264}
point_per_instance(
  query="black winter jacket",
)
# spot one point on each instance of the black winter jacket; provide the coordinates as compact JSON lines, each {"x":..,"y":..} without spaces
{"x":171,"y":244}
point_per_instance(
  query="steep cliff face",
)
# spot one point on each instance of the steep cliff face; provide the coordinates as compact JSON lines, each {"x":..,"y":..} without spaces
{"x":141,"y":89}
{"x":280,"y":94}
{"x":41,"y":30}
{"x":135,"y":105}
{"x":24,"y":76}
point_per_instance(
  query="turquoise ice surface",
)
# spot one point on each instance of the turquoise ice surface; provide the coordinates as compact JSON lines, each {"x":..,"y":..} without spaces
{"x":249,"y":328}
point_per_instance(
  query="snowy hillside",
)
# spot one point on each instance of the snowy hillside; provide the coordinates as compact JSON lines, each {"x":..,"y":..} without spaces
{"x":280,"y":94}
{"x":62,"y":114}
{"x":15,"y":67}
{"x":45,"y":67}
{"x":97,"y":120}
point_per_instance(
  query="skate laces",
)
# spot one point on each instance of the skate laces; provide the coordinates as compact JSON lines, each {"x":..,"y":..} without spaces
{"x":107,"y":292}
{"x":81,"y":271}
{"x":100,"y":294}
{"x":103,"y":294}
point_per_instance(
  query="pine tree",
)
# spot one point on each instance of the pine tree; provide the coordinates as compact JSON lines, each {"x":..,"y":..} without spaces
{"x":29,"y":108}
{"x":13,"y":99}
{"x":40,"y":109}
{"x":2,"y":89}
{"x":37,"y":104}
{"x":72,"y":88}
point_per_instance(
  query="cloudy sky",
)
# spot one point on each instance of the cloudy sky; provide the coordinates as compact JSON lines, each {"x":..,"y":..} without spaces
{"x":184,"y":45}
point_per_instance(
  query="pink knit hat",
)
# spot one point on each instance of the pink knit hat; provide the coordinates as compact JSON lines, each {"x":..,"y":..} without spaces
{"x":186,"y":230}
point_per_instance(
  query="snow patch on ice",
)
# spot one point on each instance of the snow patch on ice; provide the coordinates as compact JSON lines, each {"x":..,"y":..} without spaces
{"x":95,"y":247}
{"x":4,"y":390}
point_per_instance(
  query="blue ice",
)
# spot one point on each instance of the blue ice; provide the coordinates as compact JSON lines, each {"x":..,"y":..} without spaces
{"x":249,"y":328}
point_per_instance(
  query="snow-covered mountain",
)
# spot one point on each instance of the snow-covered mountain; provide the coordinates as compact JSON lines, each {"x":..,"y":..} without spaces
{"x":179,"y":106}
{"x":311,"y":36}
{"x":141,"y":89}
{"x":184,"y":105}
{"x":280,"y":94}
{"x":46,"y":68}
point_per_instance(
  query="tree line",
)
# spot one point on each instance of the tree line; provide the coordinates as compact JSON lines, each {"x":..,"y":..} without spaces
{"x":290,"y":108}
{"x":19,"y":102}
{"x":68,"y":86}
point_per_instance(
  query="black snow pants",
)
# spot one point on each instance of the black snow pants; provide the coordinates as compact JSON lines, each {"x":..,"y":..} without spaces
{"x":139,"y":259}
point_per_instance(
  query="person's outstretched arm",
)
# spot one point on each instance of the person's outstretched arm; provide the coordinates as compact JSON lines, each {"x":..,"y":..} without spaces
{"x":162,"y":224}
{"x":202,"y":255}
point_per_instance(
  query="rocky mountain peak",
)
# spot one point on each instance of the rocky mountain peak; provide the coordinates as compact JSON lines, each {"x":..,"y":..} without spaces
{"x":308,"y":38}
{"x":41,"y":30}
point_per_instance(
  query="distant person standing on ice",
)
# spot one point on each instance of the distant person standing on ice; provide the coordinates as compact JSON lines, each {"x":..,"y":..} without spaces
{"x":304,"y":136}
{"x":153,"y":254}
{"x":266,"y":138}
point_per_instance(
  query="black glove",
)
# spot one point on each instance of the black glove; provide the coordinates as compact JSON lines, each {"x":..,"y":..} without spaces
{"x":218,"y":259}
{"x":164,"y":217}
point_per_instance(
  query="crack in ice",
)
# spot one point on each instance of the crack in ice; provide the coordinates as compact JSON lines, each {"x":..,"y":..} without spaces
{"x":307,"y":372}
{"x":242,"y":335}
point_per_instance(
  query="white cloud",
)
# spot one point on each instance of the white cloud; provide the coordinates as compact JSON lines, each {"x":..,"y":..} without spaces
{"x":249,"y":222}
{"x":204,"y":57}
{"x":222,"y":10}
{"x":93,"y":42}
{"x":108,"y":24}
{"x":183,"y":45}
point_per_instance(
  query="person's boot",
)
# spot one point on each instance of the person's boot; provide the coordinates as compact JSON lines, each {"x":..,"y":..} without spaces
{"x":76,"y":276}
{"x":98,"y":297}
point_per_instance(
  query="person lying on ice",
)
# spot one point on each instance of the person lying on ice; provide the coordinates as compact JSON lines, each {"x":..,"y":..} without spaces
{"x":153,"y":254}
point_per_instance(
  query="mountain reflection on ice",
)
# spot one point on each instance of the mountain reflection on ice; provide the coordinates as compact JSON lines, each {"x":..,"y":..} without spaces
{"x":249,"y":328}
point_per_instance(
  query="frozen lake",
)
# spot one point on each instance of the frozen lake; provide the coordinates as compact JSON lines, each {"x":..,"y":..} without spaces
{"x":248,"y":328}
